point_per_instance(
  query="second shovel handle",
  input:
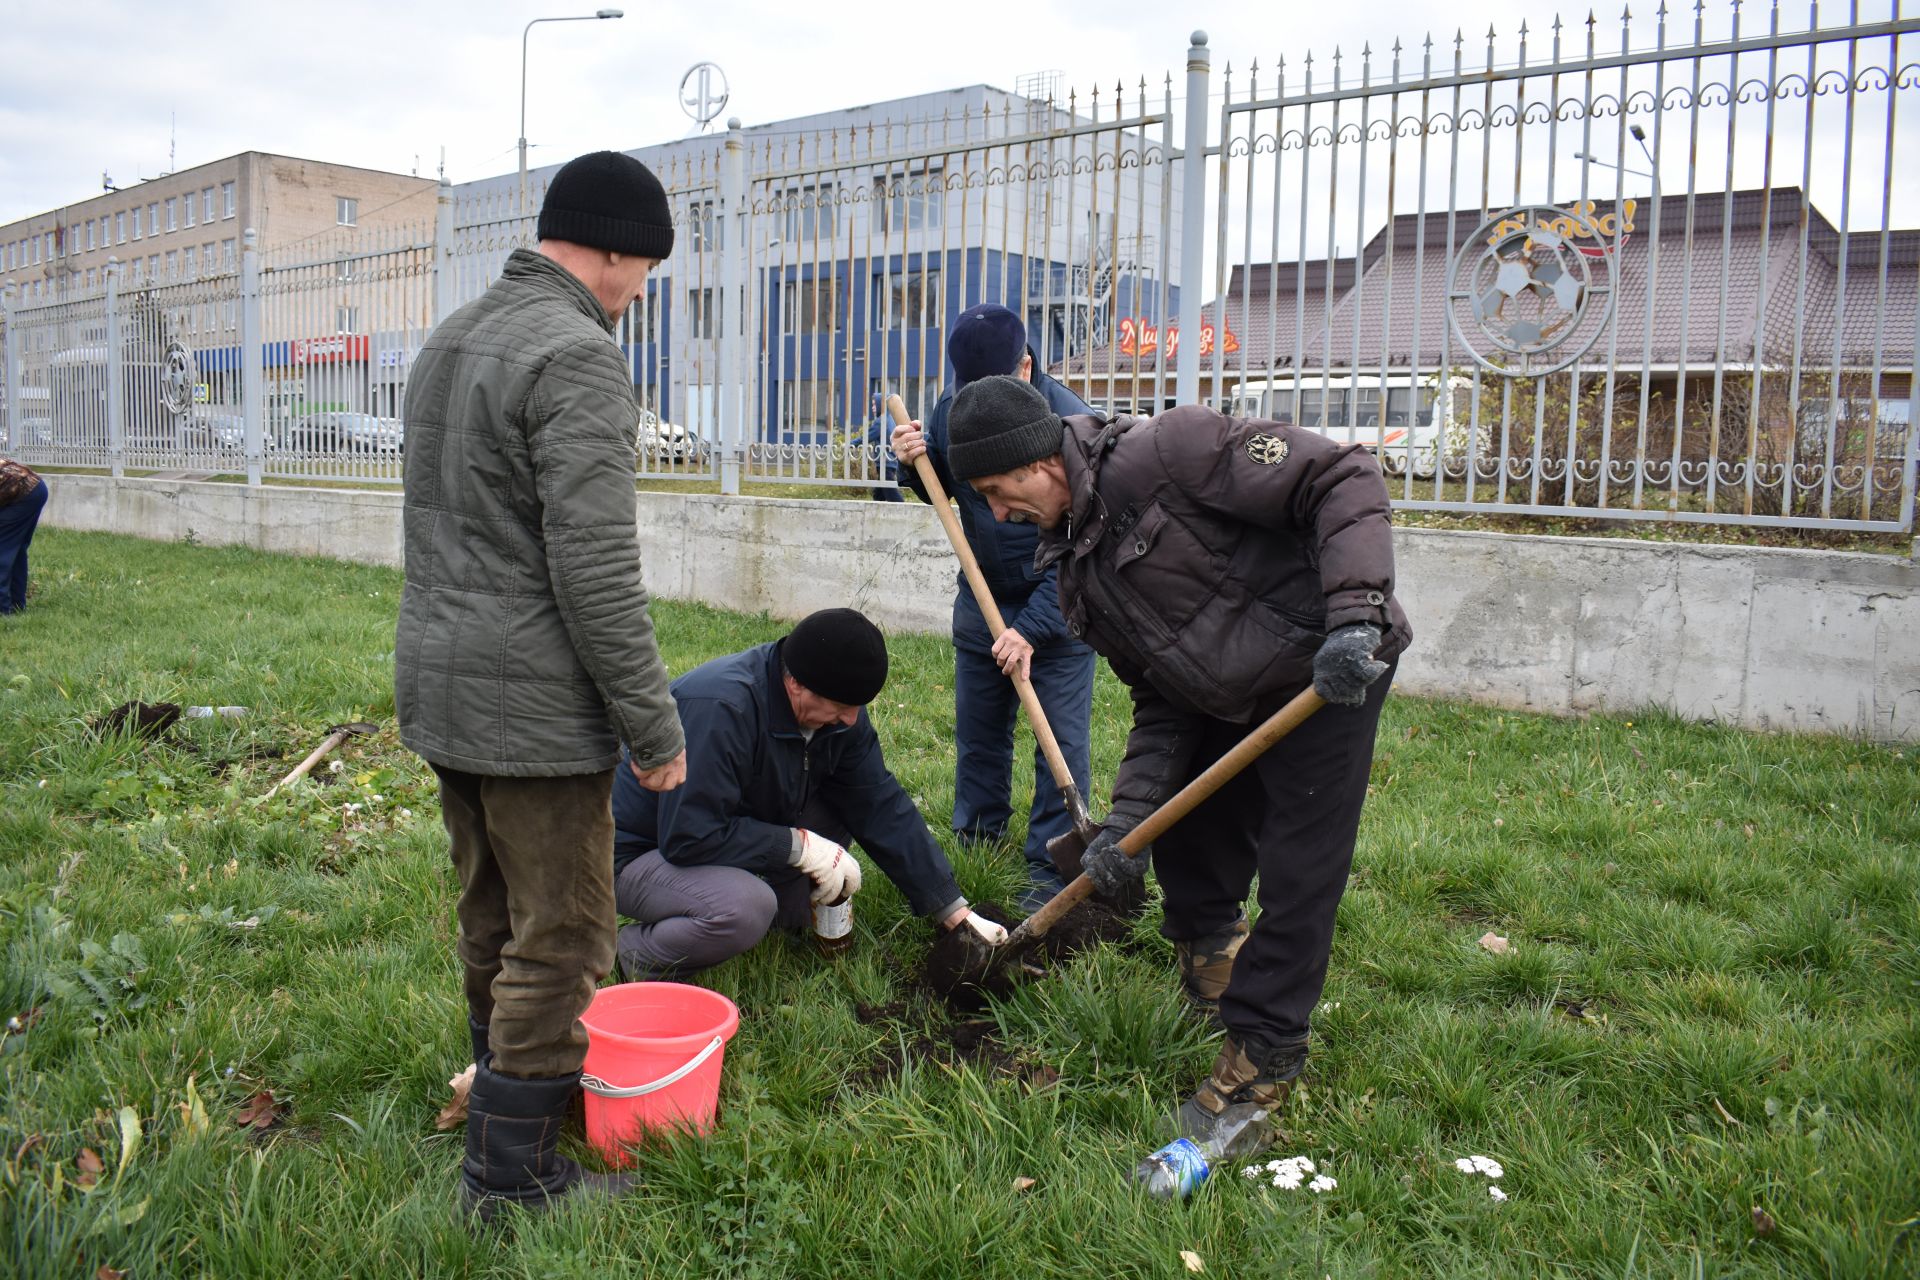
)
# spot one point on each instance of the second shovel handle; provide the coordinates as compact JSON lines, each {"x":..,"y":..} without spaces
{"x":983,"y":596}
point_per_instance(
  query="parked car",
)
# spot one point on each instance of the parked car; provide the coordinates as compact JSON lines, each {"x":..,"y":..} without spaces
{"x":668,"y":441}
{"x":211,"y":429}
{"x":346,"y":432}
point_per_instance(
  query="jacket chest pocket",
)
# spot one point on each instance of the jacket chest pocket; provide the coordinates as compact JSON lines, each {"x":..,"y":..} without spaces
{"x":1160,"y":563}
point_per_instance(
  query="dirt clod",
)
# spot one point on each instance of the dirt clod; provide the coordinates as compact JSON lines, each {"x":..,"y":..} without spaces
{"x":147,"y":719}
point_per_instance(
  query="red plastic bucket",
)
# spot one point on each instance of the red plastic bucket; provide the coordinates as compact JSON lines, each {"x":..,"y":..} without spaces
{"x":654,"y":1052}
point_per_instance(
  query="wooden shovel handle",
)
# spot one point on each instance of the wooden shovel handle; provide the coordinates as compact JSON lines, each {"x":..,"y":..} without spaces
{"x":1245,"y":752}
{"x":983,"y":596}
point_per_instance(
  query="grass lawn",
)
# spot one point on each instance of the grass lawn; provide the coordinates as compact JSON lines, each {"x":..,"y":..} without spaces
{"x":1700,"y":1056}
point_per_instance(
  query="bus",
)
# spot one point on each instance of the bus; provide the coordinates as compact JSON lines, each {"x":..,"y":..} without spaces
{"x":1404,"y":418}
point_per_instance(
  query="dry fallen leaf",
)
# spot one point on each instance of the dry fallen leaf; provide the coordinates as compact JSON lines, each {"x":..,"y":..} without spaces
{"x":455,"y":1112}
{"x":261,"y":1111}
{"x":1022,"y":1184}
{"x":1491,"y":941}
{"x":90,"y":1166}
{"x":1762,"y":1222}
{"x":108,"y":1273}
{"x":1192,"y":1260}
{"x":1725,"y":1115}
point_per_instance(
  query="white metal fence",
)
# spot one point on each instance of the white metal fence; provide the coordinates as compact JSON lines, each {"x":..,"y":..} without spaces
{"x":1652,"y":269}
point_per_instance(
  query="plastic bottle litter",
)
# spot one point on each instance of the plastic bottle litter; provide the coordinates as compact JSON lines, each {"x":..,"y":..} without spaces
{"x":1183,"y":1164}
{"x":833,"y":926}
{"x":208,"y":713}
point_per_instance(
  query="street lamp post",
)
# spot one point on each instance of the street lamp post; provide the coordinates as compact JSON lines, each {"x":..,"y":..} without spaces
{"x":524,"y":33}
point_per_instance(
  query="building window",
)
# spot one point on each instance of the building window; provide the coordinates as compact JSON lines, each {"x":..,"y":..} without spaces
{"x":232,"y":308}
{"x":910,"y":200}
{"x":153,"y":265}
{"x":810,"y":212}
{"x":809,"y":306}
{"x":173,"y":213}
{"x":701,"y":312}
{"x":120,"y":222}
{"x":89,"y":233}
{"x":706,"y":231}
{"x":907,"y":300}
{"x":90,"y":277}
{"x":36,"y":250}
{"x":226,"y":254}
{"x":173,"y":263}
{"x":153,"y":218}
{"x":346,"y":211}
{"x":226,"y":194}
{"x":138,"y":218}
{"x":807,"y":408}
{"x":189,"y":203}
{"x":206,"y":205}
{"x":346,"y":319}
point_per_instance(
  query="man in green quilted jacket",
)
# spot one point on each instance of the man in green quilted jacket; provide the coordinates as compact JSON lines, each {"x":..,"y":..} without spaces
{"x":525,"y":659}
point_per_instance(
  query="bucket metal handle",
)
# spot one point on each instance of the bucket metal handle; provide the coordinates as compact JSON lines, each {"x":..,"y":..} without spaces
{"x":595,"y":1085}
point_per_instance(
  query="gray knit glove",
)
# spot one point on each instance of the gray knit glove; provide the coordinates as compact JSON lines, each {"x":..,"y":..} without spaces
{"x":1345,"y":665}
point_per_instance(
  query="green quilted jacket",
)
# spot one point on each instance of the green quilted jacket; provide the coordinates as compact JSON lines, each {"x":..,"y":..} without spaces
{"x":524,"y":645}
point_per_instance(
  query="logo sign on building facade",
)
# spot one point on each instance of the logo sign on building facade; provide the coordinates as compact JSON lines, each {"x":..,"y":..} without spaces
{"x":341,"y":348}
{"x":1138,"y":337}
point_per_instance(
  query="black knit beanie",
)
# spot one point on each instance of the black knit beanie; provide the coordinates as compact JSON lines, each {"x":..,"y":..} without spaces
{"x":999,"y":424}
{"x":606,"y":200}
{"x":838,"y":654}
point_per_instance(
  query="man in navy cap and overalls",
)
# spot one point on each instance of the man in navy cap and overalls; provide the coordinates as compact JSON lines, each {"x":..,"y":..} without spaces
{"x":986,"y":340}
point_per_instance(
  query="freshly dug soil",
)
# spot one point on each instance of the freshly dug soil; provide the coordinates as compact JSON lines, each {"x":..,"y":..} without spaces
{"x":954,"y":971}
{"x":963,"y":1041}
{"x":148,"y":719}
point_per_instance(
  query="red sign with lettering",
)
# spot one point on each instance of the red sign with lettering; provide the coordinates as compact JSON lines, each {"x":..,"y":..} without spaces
{"x":1138,"y":338}
{"x":341,"y":348}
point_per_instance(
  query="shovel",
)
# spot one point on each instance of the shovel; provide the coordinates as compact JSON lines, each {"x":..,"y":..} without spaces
{"x":1084,"y":827}
{"x":981,"y":963}
{"x":335,"y":736}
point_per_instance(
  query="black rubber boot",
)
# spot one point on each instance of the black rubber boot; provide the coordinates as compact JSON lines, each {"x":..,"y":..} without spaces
{"x":513,"y":1135}
{"x":477,"y":1032}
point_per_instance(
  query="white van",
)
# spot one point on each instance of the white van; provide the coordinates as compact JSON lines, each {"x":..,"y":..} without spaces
{"x":1404,"y":417}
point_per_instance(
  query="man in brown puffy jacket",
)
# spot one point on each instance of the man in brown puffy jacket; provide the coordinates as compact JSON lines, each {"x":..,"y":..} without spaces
{"x":1221,"y":565}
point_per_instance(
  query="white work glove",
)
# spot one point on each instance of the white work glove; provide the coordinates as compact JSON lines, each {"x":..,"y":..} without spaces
{"x":835,"y":874}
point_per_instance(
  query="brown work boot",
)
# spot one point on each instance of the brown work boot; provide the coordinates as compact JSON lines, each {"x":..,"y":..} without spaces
{"x":1245,"y":1071}
{"x":1206,"y":963}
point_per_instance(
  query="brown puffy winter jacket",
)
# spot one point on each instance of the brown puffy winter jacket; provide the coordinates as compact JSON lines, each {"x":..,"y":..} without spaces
{"x":1207,"y":558}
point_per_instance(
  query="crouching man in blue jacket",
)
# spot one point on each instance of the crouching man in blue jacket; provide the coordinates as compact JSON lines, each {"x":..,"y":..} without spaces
{"x":783,"y":771}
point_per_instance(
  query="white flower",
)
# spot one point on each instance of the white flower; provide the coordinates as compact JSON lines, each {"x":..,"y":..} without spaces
{"x":406,"y":813}
{"x":351,"y":809}
{"x":1479,"y":1164}
{"x":1252,"y":1171}
{"x":377,"y":797}
{"x":1322,"y":1183}
{"x":1498,"y":1195}
{"x":335,"y":767}
{"x":1288,"y":1181}
{"x":1465,"y":1165}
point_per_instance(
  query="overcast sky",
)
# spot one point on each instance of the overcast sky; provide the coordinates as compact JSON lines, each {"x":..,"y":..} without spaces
{"x":387,"y":85}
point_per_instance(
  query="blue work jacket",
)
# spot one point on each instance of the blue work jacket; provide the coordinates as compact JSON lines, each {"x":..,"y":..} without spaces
{"x":1029,"y":598}
{"x":750,"y":774}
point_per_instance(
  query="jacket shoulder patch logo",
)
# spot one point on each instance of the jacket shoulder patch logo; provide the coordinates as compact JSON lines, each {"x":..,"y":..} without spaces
{"x":1268,"y":450}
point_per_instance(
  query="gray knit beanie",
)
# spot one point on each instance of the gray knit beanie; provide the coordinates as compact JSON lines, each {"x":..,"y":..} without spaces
{"x":999,"y":424}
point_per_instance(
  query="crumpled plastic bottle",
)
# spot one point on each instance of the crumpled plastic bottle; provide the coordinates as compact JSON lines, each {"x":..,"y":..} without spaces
{"x":1183,"y":1164}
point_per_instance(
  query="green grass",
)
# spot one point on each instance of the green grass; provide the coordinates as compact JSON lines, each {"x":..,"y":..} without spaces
{"x":1710,"y":1005}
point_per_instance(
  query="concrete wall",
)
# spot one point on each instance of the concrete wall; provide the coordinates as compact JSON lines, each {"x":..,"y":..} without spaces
{"x":1803,"y":640}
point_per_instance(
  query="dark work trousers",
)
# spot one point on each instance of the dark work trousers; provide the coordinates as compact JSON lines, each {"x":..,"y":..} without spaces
{"x":686,"y":919}
{"x":985,"y":705}
{"x":535,"y":860}
{"x":1291,"y":818}
{"x":17,"y":522}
